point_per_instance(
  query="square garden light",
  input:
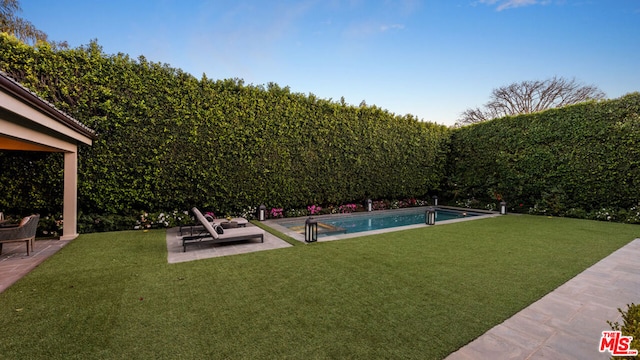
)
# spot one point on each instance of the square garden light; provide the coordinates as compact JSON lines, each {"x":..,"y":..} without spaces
{"x":310,"y":230}
{"x":430,"y":216}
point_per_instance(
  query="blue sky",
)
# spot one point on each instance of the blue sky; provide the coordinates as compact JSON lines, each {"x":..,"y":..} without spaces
{"x":432,"y":59}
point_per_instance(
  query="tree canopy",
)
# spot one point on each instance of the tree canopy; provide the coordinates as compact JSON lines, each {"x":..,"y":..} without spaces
{"x":528,"y":97}
{"x":17,"y":26}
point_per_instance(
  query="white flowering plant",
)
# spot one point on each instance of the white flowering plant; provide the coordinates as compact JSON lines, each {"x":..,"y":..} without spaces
{"x":162,"y":219}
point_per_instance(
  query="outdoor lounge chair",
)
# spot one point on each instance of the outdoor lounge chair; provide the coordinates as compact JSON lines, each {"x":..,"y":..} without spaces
{"x":24,"y":232}
{"x":233,"y":223}
{"x":209,"y":234}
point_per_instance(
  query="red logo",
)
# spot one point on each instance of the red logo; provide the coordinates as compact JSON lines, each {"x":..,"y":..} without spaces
{"x":616,"y":344}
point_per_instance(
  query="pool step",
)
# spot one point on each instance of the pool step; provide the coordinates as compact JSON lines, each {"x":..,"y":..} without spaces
{"x":324,"y":229}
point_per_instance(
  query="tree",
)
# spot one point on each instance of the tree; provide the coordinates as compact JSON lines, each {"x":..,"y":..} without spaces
{"x":17,"y":26}
{"x":531,"y":96}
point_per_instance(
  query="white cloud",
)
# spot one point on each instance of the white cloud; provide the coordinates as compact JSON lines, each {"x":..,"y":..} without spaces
{"x":384,"y":28}
{"x":367,"y":29}
{"x":510,"y":4}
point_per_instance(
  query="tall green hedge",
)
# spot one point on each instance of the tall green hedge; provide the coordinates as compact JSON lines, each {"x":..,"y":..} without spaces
{"x":167,"y":140}
{"x":566,"y":161}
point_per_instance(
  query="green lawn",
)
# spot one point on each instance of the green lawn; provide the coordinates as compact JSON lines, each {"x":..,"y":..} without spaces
{"x":413,"y":294}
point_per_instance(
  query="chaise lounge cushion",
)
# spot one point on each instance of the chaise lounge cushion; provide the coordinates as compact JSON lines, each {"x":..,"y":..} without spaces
{"x":209,"y":234}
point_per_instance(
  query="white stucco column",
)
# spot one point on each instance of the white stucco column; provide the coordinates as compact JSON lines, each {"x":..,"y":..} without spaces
{"x":70,"y":202}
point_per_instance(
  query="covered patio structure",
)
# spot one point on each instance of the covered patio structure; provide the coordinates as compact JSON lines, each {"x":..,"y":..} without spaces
{"x":29,"y":123}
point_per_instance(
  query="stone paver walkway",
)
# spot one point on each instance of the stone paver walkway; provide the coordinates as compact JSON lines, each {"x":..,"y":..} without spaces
{"x":568,"y":322}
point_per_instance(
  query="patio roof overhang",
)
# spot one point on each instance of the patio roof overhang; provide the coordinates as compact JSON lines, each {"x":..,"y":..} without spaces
{"x":29,"y":123}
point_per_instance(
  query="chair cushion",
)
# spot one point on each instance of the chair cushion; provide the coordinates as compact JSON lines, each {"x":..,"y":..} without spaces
{"x":207,"y":225}
{"x":24,"y":220}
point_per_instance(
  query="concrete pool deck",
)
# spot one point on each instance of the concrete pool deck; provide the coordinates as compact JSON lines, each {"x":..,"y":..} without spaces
{"x":277,"y":224}
{"x":175,"y":253}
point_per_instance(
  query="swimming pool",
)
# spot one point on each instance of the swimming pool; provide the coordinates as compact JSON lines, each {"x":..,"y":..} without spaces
{"x":342,"y":224}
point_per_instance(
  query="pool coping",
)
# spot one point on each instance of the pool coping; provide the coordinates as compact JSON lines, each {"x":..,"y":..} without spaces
{"x":275,"y":223}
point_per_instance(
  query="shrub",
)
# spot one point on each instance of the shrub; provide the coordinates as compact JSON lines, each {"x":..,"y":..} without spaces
{"x":633,"y":215}
{"x":630,"y":326}
{"x":605,"y":214}
{"x":314,"y":209}
{"x":167,"y":140}
{"x":49,"y":226}
{"x":576,"y":159}
{"x":347,"y":208}
{"x":276,"y":212}
{"x":89,"y":223}
{"x":576,"y":213}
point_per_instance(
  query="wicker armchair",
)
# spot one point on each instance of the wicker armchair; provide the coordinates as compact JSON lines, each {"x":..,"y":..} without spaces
{"x":26,"y":232}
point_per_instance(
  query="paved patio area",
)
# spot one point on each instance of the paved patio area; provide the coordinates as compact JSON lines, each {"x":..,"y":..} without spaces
{"x":205,"y":251}
{"x":14,"y":262}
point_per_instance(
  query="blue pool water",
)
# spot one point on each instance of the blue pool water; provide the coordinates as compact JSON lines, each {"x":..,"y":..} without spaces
{"x":353,"y":223}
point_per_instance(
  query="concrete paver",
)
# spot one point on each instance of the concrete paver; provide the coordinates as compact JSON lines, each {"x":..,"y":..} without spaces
{"x":205,"y":251}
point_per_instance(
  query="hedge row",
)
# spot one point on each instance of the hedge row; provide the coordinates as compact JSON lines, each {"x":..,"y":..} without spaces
{"x":569,"y":161}
{"x":167,"y":140}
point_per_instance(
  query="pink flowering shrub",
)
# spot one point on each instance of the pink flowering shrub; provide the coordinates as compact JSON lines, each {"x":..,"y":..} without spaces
{"x":347,"y":208}
{"x":313,"y":209}
{"x":276,"y":212}
{"x":379,"y":205}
